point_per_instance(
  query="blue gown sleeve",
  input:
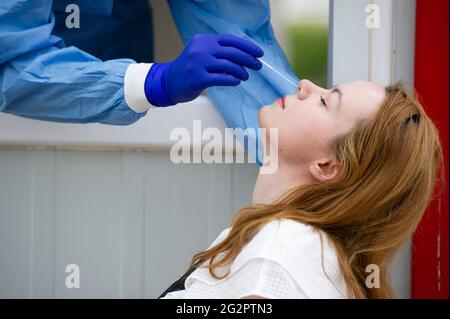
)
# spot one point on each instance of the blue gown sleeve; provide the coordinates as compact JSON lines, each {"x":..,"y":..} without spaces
{"x":250,"y":19}
{"x":42,"y":79}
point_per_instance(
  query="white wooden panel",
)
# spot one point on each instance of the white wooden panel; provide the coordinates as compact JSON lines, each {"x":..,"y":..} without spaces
{"x":15,"y":234}
{"x":42,"y":176}
{"x":349,"y":41}
{"x":404,"y":40}
{"x":132,"y":245}
{"x":381,"y":53}
{"x":175,"y":223}
{"x":131,"y":220}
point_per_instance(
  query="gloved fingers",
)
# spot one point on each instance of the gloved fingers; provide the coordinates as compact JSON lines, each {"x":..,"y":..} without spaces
{"x":228,"y":67}
{"x":239,"y":57}
{"x":218,"y":79}
{"x":241,"y":44}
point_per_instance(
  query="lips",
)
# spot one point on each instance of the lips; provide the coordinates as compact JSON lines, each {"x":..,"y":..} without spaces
{"x":281,"y":102}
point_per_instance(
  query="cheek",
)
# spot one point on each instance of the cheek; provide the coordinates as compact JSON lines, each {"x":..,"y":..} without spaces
{"x":303,"y":136}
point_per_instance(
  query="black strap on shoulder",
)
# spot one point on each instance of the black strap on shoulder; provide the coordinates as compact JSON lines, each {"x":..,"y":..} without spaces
{"x":177,"y":285}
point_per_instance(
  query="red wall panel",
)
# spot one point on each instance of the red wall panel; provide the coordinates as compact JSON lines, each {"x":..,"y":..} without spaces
{"x":430,"y":242}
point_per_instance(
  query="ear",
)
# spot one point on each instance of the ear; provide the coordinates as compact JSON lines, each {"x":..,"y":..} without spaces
{"x":324,"y":169}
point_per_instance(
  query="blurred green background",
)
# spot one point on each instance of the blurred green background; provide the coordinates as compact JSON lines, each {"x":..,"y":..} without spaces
{"x":308,"y":51}
{"x":301,"y":27}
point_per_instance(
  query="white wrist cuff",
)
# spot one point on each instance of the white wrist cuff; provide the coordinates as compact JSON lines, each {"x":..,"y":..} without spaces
{"x":134,"y":81}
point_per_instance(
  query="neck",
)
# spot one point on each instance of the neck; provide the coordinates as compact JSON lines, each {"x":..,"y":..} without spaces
{"x":269,"y":186}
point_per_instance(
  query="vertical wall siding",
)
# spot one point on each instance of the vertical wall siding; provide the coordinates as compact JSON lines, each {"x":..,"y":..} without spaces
{"x":130,"y":220}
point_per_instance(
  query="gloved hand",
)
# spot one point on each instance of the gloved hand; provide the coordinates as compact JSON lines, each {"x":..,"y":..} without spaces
{"x":208,"y":60}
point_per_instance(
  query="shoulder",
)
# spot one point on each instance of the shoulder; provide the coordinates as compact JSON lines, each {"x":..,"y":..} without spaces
{"x":305,"y":252}
{"x":279,"y":230}
{"x":288,"y":229}
{"x":284,"y":258}
{"x":289,"y":235}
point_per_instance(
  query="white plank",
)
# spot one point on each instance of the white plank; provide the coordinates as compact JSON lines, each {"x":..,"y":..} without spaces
{"x":16,"y":226}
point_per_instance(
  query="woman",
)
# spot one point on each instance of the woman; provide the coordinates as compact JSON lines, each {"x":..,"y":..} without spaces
{"x":357,"y":167}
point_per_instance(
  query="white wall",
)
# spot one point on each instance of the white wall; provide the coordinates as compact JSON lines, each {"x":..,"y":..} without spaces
{"x":130,"y":220}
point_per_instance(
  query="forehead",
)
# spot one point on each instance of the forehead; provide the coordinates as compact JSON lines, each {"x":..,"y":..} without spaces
{"x":361,"y":98}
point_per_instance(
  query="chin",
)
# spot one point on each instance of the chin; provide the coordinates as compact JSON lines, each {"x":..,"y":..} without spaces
{"x":264,"y":116}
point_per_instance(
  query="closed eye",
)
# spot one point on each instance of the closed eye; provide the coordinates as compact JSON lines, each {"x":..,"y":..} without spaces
{"x":323,"y":101}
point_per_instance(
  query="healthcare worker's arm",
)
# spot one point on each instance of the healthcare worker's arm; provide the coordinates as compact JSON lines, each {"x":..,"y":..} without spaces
{"x":41,"y":78}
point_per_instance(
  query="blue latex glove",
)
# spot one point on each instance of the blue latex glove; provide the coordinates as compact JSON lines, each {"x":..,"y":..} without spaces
{"x":208,"y":60}
{"x":239,"y":105}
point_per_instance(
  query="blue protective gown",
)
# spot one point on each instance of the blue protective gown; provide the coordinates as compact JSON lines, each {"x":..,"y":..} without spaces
{"x":50,"y":72}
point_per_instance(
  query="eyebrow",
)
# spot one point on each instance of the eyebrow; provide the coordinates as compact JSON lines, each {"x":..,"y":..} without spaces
{"x":339,"y":93}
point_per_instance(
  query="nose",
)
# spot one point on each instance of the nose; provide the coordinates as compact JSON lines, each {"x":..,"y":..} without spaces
{"x":303,"y":89}
{"x":306,"y":88}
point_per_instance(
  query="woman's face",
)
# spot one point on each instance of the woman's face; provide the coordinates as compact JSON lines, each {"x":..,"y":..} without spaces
{"x":309,"y":121}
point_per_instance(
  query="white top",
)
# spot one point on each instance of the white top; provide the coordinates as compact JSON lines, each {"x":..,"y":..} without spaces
{"x":282,"y":261}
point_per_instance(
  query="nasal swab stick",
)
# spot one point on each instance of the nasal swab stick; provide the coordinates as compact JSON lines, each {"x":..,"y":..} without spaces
{"x":281,"y":75}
